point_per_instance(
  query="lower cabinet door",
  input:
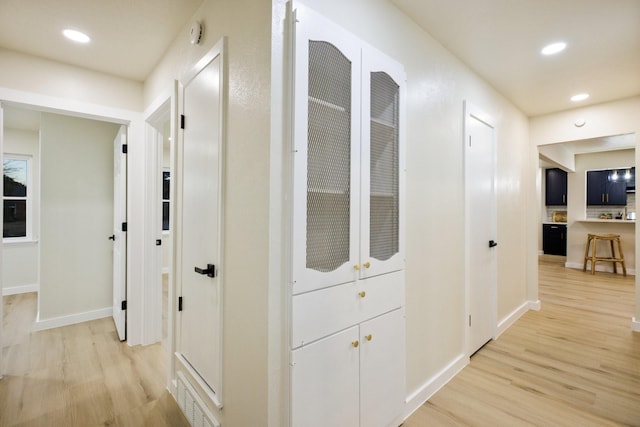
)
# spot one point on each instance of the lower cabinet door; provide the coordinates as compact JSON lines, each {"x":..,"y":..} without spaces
{"x":324,"y":382}
{"x":382,"y":370}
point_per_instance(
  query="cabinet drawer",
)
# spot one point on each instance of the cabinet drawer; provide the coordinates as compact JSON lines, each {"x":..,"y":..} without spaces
{"x":320,"y":313}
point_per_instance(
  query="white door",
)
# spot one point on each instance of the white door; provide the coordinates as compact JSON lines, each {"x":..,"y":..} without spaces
{"x":1,"y":221}
{"x":382,"y":367}
{"x":119,"y":236}
{"x":324,"y":382}
{"x":480,"y":219}
{"x":199,"y":225}
{"x":327,"y":154}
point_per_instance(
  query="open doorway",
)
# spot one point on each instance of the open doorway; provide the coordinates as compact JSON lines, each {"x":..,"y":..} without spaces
{"x":60,"y":243}
{"x":577,"y":215}
{"x":159,"y":264}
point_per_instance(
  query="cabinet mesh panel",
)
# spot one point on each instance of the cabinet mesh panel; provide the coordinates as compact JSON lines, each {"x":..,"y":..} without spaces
{"x":384,"y":203}
{"x":328,"y":157}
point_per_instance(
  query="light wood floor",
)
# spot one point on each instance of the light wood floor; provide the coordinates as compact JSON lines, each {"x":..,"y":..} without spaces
{"x":576,"y":362}
{"x":79,"y":375}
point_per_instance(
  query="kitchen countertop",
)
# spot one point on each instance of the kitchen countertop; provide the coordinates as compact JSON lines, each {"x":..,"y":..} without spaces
{"x":615,"y":221}
{"x":554,"y":223}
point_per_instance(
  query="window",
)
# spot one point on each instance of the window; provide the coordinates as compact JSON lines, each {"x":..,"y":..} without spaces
{"x":166,"y":180}
{"x":17,"y":196}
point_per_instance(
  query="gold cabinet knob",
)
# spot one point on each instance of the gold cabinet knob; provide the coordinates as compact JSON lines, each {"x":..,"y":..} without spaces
{"x":362,"y":294}
{"x":356,"y":267}
{"x":367,"y":264}
{"x":368,"y":337}
{"x":355,"y":344}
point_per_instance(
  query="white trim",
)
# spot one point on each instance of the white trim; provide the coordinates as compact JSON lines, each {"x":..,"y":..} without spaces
{"x":22,"y":289}
{"x":198,"y":379}
{"x":66,"y":106}
{"x":175,"y":224}
{"x":420,"y":396}
{"x":13,"y":241}
{"x":603,"y":268}
{"x":516,"y":314}
{"x":472,"y":111}
{"x":193,"y":403}
{"x":72,"y":319}
{"x":635,"y":324}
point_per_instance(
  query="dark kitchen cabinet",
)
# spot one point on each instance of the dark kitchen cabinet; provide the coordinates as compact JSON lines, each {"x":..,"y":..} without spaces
{"x":603,"y":190}
{"x":556,"y":187}
{"x":554,"y":239}
{"x":631,"y":183}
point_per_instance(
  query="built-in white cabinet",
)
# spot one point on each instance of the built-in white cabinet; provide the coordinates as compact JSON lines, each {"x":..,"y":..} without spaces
{"x":347,"y":290}
{"x":353,"y":377}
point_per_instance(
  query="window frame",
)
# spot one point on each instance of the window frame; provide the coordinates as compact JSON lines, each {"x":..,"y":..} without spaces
{"x":167,"y":200}
{"x":28,"y":198}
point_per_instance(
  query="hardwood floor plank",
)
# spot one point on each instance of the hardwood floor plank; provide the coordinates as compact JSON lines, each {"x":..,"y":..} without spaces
{"x":79,"y":375}
{"x":573,"y":363}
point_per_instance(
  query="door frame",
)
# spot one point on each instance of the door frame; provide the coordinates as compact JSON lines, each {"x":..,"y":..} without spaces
{"x":179,"y":362}
{"x":133,"y":121}
{"x":160,"y":112}
{"x":471,"y":111}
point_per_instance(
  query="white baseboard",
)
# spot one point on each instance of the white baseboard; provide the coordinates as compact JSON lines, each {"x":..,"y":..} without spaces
{"x":72,"y":319}
{"x":635,"y":325}
{"x":24,"y":289}
{"x":512,"y":317}
{"x":540,"y":252}
{"x":418,"y":398}
{"x":600,"y":266}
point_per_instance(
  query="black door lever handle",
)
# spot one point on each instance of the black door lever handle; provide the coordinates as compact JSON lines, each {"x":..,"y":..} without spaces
{"x":210,"y":271}
{"x":493,"y":244}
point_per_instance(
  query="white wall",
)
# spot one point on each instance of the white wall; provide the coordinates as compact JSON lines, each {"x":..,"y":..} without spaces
{"x":247,"y":26}
{"x":20,"y":265}
{"x":31,"y":74}
{"x":76,"y":218}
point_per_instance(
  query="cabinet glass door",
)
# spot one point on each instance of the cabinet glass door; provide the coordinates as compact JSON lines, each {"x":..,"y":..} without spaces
{"x":383,"y":169}
{"x":384,"y":212}
{"x":328,"y":157}
{"x":326,"y":160}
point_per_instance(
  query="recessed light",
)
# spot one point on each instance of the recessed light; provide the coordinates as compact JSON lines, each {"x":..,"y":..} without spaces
{"x":579,"y":97}
{"x":76,"y":36}
{"x":553,"y":48}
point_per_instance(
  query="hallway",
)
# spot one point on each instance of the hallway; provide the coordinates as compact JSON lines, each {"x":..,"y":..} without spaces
{"x":575,"y":362}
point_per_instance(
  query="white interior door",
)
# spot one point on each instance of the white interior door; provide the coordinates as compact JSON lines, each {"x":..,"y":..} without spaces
{"x":119,"y":236}
{"x":1,"y":221}
{"x":481,"y":251}
{"x":199,"y":225}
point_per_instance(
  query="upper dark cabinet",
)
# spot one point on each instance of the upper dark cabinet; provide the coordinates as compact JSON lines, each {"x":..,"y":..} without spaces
{"x":631,"y":183}
{"x":556,"y":187}
{"x":603,"y":188}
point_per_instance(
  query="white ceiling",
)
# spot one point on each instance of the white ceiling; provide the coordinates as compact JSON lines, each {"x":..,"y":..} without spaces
{"x":501,"y":40}
{"x":128,"y":36}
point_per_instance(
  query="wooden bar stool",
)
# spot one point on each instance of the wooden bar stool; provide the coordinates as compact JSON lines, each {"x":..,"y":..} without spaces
{"x":592,"y":242}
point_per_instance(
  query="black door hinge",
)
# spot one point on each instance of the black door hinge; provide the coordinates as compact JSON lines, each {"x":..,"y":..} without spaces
{"x":158,"y":242}
{"x":123,"y":305}
{"x":179,"y":303}
{"x":181,"y":121}
{"x":124,"y":226}
{"x":124,"y":148}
